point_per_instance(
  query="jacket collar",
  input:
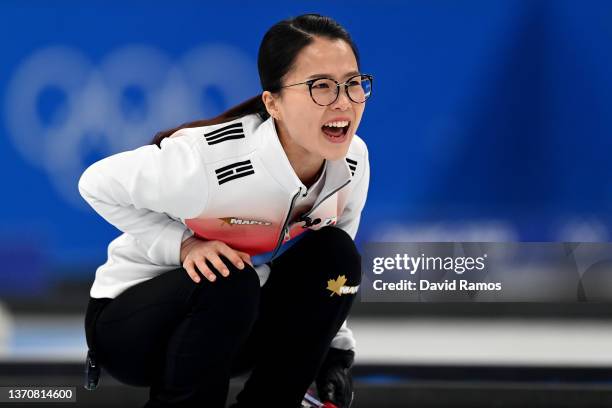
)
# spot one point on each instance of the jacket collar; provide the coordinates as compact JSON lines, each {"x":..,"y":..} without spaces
{"x":275,"y":160}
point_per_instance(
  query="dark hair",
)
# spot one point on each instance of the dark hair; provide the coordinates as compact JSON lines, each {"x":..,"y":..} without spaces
{"x":277,"y":52}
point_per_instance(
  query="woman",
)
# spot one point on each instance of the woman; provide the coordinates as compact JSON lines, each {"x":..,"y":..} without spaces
{"x":260,"y":206}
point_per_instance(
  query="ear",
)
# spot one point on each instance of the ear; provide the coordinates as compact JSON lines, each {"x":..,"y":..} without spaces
{"x":270,"y":103}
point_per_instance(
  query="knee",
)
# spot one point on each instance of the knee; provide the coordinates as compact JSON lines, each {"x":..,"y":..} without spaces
{"x":333,"y":250}
{"x":237,"y":294}
{"x":241,"y":286}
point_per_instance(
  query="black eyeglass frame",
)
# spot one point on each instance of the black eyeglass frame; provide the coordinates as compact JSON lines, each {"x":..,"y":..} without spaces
{"x":338,"y":84}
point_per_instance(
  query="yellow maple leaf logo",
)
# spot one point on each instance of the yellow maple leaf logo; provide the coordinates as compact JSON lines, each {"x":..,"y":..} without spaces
{"x":226,"y":221}
{"x":336,"y":284}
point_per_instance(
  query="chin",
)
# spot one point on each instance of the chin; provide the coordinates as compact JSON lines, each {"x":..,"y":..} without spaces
{"x":336,"y":154}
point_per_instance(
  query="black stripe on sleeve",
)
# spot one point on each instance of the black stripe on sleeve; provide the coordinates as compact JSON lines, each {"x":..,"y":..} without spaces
{"x":231,"y":166}
{"x":232,"y":126}
{"x":234,"y":171}
{"x":230,"y":132}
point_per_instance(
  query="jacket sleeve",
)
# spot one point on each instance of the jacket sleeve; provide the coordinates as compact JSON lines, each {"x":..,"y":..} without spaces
{"x":350,"y":217}
{"x":147,"y":192}
{"x":349,"y":222}
{"x":344,"y":339}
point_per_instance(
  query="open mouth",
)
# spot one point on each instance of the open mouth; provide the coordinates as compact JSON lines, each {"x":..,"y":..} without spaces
{"x":336,"y":130}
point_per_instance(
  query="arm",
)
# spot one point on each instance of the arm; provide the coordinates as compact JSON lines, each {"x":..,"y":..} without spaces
{"x":350,"y":217}
{"x":344,"y":339}
{"x":138,"y":192}
{"x":334,"y":380}
{"x":349,"y":222}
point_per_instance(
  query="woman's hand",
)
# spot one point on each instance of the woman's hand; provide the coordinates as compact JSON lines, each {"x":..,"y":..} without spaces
{"x":334,"y":380}
{"x":195,"y":252}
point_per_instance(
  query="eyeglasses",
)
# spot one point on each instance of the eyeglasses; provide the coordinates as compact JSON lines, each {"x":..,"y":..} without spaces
{"x":325,"y":91}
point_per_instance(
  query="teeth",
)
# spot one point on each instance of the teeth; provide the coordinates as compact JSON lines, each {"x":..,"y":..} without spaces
{"x":343,"y":123}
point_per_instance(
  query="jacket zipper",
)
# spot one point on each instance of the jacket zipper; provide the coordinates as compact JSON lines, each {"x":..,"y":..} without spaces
{"x":282,"y":233}
{"x":304,"y":216}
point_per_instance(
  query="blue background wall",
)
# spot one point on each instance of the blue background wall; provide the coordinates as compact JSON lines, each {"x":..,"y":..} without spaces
{"x":489,"y":121}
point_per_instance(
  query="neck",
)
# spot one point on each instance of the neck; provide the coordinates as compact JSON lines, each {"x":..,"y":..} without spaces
{"x":307,"y":166}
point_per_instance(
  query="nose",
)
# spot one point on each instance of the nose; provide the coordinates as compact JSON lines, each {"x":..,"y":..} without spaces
{"x":342,"y":102}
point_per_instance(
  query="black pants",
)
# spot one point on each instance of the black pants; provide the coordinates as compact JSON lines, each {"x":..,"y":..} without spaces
{"x":185,"y":340}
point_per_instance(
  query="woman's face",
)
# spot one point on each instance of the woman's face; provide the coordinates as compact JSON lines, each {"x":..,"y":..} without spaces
{"x":300,"y":120}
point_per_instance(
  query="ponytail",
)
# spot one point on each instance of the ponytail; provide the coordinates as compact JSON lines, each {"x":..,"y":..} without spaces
{"x":250,"y":106}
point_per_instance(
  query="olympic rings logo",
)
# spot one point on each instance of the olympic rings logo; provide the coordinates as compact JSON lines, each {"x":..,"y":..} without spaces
{"x":60,"y":108}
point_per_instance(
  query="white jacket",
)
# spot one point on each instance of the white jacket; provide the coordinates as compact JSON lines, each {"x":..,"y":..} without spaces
{"x":230,"y":182}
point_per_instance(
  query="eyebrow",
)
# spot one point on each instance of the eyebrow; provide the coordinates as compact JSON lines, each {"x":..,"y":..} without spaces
{"x":349,"y":74}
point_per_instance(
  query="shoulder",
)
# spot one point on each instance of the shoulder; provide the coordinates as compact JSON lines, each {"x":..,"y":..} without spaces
{"x":221,"y":141}
{"x":358,"y":147}
{"x":357,"y":155}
